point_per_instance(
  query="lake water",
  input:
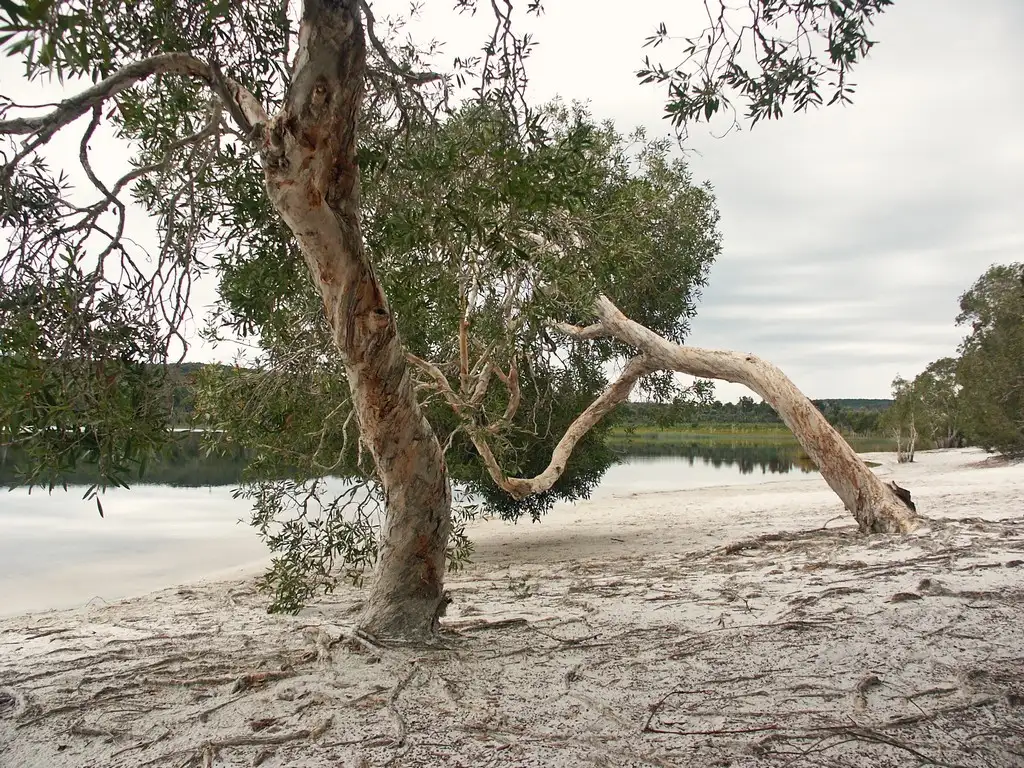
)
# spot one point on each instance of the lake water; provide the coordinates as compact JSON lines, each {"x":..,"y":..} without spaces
{"x":56,"y":551}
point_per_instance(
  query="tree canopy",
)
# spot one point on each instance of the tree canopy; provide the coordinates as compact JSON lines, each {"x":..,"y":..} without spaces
{"x":977,"y":397}
{"x":397,"y":246}
{"x":991,"y":367}
{"x":481,"y":233}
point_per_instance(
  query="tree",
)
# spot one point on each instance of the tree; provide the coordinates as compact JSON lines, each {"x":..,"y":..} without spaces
{"x":991,"y":367}
{"x":902,"y":418}
{"x":461,"y":268}
{"x":928,"y":407}
{"x":220,"y":109}
{"x":940,"y":394}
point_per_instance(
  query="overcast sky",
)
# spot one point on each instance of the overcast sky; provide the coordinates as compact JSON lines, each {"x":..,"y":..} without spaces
{"x":849,"y":233}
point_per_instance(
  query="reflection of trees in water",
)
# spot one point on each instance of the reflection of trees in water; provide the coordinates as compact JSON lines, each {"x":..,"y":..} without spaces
{"x":183,"y":464}
{"x":776,"y":457}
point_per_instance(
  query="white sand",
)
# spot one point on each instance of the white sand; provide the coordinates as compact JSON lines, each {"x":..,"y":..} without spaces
{"x":735,"y":626}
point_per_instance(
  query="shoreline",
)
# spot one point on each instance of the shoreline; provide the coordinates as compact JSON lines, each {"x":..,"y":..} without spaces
{"x":157,"y":572}
{"x":491,"y":534}
{"x":736,"y":625}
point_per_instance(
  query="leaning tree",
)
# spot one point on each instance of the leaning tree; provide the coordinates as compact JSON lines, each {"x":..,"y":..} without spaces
{"x":465,"y":314}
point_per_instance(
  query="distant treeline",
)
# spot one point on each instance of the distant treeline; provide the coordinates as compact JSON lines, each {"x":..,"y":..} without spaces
{"x":182,"y":463}
{"x":859,"y":416}
{"x":852,"y":415}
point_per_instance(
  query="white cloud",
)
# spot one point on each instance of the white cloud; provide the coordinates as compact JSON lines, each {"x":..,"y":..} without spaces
{"x":849,"y":232}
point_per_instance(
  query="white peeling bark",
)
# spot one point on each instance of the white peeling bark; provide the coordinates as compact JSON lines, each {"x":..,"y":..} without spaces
{"x":875,"y":505}
{"x":309,"y":158}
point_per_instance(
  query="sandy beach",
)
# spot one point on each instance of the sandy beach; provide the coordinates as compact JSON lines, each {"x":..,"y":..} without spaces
{"x":744,"y":625}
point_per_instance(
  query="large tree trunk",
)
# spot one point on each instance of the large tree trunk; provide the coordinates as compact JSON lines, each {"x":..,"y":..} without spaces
{"x":309,"y":157}
{"x":874,"y":505}
{"x":877,"y":507}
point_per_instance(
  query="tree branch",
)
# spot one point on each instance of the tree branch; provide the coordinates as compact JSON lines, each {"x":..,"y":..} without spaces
{"x":43,"y":127}
{"x":593,"y":331}
{"x":441,"y":380}
{"x":877,"y":507}
{"x":410,"y":77}
{"x":515,"y":395}
{"x":873,"y":504}
{"x":483,"y":382}
{"x":615,"y":393}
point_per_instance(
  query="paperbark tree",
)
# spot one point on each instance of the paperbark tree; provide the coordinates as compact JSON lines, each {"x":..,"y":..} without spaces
{"x":990,"y":371}
{"x":903,"y":416}
{"x":876,"y":506}
{"x":309,"y":157}
{"x":305,"y":130}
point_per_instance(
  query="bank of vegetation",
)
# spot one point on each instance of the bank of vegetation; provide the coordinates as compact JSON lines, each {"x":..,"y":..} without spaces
{"x":976,"y":397}
{"x":854,"y":417}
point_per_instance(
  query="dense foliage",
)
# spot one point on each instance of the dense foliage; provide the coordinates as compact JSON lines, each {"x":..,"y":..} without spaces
{"x":978,"y":397}
{"x":991,"y":367}
{"x":485,"y":219}
{"x":499,"y":238}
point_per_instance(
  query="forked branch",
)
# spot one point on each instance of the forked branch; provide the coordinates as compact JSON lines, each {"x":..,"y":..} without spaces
{"x":876,"y":506}
{"x":616,"y":392}
{"x":515,"y":395}
{"x":42,"y":128}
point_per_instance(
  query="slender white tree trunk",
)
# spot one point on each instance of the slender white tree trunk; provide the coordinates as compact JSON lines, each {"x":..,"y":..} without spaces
{"x":877,"y":507}
{"x":309,"y":157}
{"x":873,"y":504}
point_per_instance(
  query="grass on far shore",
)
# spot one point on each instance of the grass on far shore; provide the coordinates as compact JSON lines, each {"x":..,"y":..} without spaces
{"x":759,"y":433}
{"x":701,"y":430}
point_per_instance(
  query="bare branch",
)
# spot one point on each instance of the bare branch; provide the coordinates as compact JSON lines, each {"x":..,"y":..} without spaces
{"x":873,"y":504}
{"x":594,"y":331}
{"x":515,"y":396}
{"x":483,"y":382}
{"x":43,"y":127}
{"x":410,"y":77}
{"x":237,"y":100}
{"x":617,"y":392}
{"x":441,"y":380}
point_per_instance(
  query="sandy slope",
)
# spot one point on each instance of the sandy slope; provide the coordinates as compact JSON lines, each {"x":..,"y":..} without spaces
{"x":719,"y":626}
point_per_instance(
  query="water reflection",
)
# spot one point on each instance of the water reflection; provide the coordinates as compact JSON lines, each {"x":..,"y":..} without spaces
{"x":745,"y":457}
{"x":672,"y":462}
{"x":185,"y":465}
{"x":56,"y":551}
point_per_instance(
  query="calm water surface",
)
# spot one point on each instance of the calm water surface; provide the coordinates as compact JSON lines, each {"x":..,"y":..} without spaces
{"x":56,"y":551}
